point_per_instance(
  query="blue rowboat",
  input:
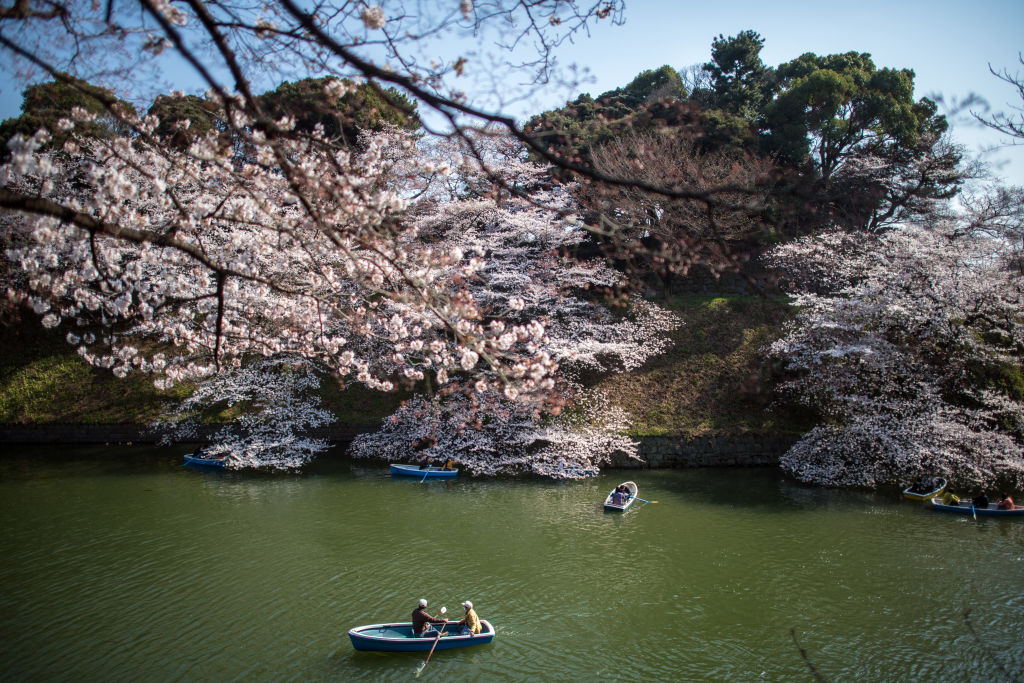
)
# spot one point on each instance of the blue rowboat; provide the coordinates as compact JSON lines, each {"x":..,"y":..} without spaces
{"x":399,"y":637}
{"x":964,"y":508}
{"x":205,"y":460}
{"x":429,"y":472}
{"x":622,"y":506}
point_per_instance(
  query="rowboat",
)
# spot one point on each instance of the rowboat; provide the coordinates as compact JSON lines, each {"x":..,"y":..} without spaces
{"x":633,"y":490}
{"x":399,"y":637}
{"x":205,"y":460}
{"x":964,"y":507}
{"x":925,"y":489}
{"x":429,"y":472}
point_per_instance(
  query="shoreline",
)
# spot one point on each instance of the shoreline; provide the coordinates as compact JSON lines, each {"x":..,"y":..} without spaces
{"x":656,"y":452}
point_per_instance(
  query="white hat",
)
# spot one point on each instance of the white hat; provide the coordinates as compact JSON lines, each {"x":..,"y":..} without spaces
{"x":467,"y":604}
{"x":423,"y":602}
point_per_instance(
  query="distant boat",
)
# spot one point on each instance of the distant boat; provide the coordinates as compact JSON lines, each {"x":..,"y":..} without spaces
{"x":622,"y":505}
{"x":399,"y":637}
{"x":205,"y":460}
{"x":428,"y":472}
{"x":926,"y":489}
{"x":965,"y":507}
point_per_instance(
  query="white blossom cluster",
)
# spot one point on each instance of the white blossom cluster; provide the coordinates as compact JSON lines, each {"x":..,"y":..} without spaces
{"x":293,"y":247}
{"x":893,"y":349}
{"x":525,"y":278}
{"x":488,"y":434}
{"x":279,"y":407}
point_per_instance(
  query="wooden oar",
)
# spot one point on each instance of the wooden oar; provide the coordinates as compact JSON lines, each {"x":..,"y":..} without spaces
{"x":436,"y":641}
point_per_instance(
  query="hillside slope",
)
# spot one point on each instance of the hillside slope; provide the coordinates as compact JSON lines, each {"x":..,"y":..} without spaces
{"x":712,"y":381}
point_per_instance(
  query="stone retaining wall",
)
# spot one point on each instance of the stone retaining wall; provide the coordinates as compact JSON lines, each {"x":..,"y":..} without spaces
{"x":656,"y":451}
{"x":717,"y":451}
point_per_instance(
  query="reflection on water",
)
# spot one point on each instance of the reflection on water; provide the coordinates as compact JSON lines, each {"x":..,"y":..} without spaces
{"x":122,"y":564}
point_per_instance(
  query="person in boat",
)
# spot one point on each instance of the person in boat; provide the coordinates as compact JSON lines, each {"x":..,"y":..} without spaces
{"x":423,"y":623}
{"x":1005,"y":502}
{"x":449,"y":464}
{"x":199,"y":452}
{"x":925,"y":485}
{"x":423,"y":446}
{"x":621,"y":495}
{"x":980,"y":501}
{"x":471,"y":624}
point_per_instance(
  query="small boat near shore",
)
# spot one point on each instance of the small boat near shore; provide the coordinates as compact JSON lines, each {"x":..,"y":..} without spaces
{"x":925,"y":489}
{"x":399,"y":637}
{"x":610,"y":503}
{"x":965,"y":507}
{"x":205,"y":460}
{"x":428,"y":472}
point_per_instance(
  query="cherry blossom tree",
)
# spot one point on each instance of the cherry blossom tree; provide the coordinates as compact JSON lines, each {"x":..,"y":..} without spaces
{"x":488,"y":434}
{"x":910,"y":346}
{"x":218,"y":264}
{"x":554,"y":304}
{"x":279,"y":407}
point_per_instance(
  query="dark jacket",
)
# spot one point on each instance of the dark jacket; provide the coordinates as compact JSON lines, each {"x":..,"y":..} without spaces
{"x":420,"y":619}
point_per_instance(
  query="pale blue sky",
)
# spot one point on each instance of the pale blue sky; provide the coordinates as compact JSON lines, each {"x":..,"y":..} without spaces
{"x":948,"y":44}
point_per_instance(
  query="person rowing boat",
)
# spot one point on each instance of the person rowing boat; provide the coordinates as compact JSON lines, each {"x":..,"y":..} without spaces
{"x":422,"y":622}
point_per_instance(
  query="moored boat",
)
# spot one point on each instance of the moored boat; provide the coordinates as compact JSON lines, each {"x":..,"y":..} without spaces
{"x":399,"y":637}
{"x":965,"y":507}
{"x":428,"y":472}
{"x":612,"y":502}
{"x":925,"y":489}
{"x":205,"y":460}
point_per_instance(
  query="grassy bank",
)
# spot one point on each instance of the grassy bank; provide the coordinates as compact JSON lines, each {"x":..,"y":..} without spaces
{"x":715,"y":379}
{"x":43,"y":381}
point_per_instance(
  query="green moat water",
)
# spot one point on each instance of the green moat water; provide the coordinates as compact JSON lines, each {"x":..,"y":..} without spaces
{"x":121,"y":564}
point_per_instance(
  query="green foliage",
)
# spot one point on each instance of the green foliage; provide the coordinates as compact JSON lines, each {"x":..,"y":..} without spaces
{"x":173,"y":111}
{"x":1003,"y":378}
{"x":363,"y":108}
{"x":832,"y":107}
{"x":653,"y":99}
{"x":44,"y":104}
{"x":740,"y":80}
{"x":649,"y":86}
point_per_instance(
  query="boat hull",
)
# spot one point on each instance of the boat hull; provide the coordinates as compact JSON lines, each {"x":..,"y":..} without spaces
{"x":429,"y":473}
{"x":633,"y":490}
{"x":204,"y":462}
{"x":938,"y":490}
{"x":965,"y":508}
{"x":399,"y":638}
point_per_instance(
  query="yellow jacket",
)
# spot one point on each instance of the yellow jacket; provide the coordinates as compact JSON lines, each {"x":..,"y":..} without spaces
{"x":472,"y":621}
